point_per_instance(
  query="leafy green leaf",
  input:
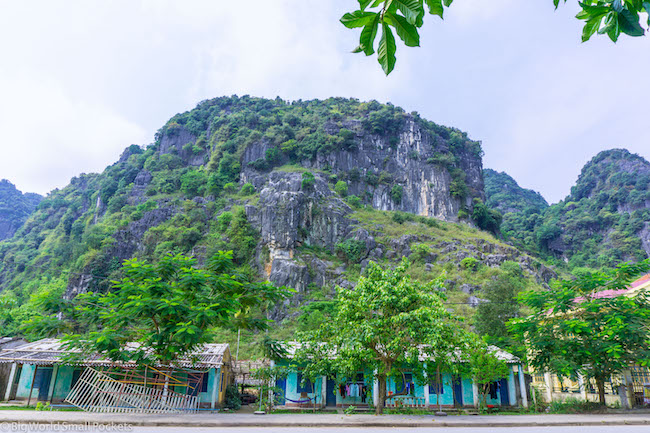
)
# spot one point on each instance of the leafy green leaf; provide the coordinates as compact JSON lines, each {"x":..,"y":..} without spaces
{"x":357,"y":19}
{"x":406,"y":31}
{"x":646,"y":6}
{"x":410,"y":9}
{"x":386,"y":49}
{"x":435,"y":7}
{"x":448,"y":2}
{"x":590,"y":28}
{"x":629,"y":23}
{"x":367,"y":38}
{"x":363,"y":4}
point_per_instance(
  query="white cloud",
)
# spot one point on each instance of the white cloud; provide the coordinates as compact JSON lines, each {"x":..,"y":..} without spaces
{"x":82,"y":79}
{"x":47,"y":137}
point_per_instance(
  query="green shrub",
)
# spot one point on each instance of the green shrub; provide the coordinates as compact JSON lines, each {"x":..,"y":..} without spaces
{"x":352,"y":249}
{"x":419,"y":252}
{"x":308,"y":181}
{"x":396,"y":193}
{"x":247,"y":189}
{"x":573,"y":405}
{"x":341,"y":188}
{"x":470,"y":263}
{"x":230,"y":188}
{"x":232,"y":399}
{"x":354,"y":175}
{"x":193,"y":183}
{"x":223,"y":221}
{"x":385,"y":178}
{"x":354,"y":201}
{"x":371,"y":179}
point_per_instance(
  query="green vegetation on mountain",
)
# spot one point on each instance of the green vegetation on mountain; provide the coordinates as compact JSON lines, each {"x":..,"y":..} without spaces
{"x":15,"y":208}
{"x":603,"y":222}
{"x":504,"y":194}
{"x":218,"y":177}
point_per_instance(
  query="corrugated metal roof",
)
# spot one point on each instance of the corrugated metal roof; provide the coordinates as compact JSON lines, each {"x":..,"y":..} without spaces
{"x":50,"y":351}
{"x":292,"y":346}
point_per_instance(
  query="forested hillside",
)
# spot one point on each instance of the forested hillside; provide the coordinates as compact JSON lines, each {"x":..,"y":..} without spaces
{"x":15,"y":208}
{"x":504,"y":194}
{"x":604,"y":221}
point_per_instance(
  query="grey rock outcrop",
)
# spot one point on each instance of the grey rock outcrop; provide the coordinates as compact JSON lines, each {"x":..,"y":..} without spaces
{"x":426,"y":187}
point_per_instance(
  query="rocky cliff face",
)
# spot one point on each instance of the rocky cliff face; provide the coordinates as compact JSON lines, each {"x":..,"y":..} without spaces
{"x":405,"y":163}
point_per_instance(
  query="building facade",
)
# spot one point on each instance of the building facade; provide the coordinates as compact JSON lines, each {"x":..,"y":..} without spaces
{"x":39,"y":374}
{"x":362,"y":390}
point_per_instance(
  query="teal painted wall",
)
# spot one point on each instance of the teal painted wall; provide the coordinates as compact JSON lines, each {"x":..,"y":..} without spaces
{"x":468,"y":392}
{"x":206,"y":397}
{"x":25,"y":382}
{"x":447,"y":397}
{"x":292,"y":389}
{"x":511,"y":387}
{"x":63,"y":382}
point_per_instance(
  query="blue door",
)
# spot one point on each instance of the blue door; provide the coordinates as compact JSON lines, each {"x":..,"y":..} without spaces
{"x":330,"y":396}
{"x":42,"y":380}
{"x":458,"y":390}
{"x":503,"y":385}
{"x":281,"y":384}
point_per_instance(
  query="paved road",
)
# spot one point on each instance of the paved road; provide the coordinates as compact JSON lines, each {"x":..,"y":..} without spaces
{"x":90,"y":429}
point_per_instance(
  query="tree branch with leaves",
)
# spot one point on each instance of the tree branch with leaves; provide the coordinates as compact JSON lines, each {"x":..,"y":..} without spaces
{"x":406,"y":17}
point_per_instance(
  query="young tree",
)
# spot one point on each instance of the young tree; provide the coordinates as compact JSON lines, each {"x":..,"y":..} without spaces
{"x":610,"y":17}
{"x":170,"y":308}
{"x":590,"y":326}
{"x":486,"y":368}
{"x":501,"y":293}
{"x":386,"y":324}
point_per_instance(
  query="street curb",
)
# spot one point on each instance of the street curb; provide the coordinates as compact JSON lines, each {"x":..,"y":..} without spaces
{"x":433,"y":423}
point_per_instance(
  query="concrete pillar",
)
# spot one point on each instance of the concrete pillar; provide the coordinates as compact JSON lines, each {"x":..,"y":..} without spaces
{"x":622,"y":395}
{"x":323,"y":393}
{"x":55,"y":373}
{"x":426,"y":390}
{"x":10,"y":382}
{"x":583,"y":386}
{"x":375,"y":389}
{"x":475,"y":394}
{"x":549,"y":387}
{"x":629,"y":385}
{"x":215,"y":387}
{"x":522,"y":386}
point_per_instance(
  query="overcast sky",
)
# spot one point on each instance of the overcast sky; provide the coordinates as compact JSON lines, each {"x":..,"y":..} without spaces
{"x":82,"y":79}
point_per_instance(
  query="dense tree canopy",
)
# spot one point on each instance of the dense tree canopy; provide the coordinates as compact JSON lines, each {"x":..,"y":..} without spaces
{"x":405,"y":17}
{"x":576,"y":329}
{"x":168,"y":308}
{"x":386,"y":324}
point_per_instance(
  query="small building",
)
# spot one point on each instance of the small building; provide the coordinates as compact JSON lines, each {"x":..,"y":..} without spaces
{"x":362,"y":390}
{"x":40,"y":373}
{"x":629,"y":389}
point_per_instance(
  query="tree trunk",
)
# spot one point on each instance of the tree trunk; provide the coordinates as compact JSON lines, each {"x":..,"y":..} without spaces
{"x":600,"y":383}
{"x":379,"y":405}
